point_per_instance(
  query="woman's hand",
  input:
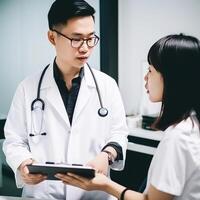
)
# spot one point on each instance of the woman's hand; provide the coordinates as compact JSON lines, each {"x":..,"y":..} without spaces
{"x":31,"y":179}
{"x":99,"y":182}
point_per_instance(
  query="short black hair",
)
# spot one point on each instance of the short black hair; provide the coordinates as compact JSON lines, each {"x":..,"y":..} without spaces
{"x":63,"y":10}
{"x":177,"y":58}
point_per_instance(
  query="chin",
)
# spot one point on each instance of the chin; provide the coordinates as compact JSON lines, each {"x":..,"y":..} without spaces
{"x":153,"y":99}
{"x":78,"y":65}
{"x":82,"y":61}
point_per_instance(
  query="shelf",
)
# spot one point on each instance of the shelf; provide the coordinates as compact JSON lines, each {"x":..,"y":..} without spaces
{"x":144,"y":141}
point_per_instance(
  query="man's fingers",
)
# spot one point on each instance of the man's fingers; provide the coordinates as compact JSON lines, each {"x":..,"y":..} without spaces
{"x":33,"y":179}
{"x":23,"y":167}
{"x":33,"y":182}
{"x":27,"y":162}
{"x":25,"y":170}
{"x":33,"y":176}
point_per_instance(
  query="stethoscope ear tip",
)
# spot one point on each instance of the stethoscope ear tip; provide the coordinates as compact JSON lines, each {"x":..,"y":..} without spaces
{"x":31,"y":134}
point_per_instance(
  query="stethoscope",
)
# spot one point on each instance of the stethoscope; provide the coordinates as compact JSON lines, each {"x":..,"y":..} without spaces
{"x":38,"y":105}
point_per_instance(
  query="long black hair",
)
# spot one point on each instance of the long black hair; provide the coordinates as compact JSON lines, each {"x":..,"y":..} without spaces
{"x":177,"y":58}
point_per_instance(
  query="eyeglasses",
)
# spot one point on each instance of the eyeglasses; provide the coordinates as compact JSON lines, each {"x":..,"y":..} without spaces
{"x":77,"y":43}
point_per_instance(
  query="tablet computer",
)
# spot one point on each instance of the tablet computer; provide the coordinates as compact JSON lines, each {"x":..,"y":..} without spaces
{"x":51,"y":169}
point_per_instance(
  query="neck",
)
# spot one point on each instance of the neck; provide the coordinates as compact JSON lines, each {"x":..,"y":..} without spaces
{"x":68,"y":72}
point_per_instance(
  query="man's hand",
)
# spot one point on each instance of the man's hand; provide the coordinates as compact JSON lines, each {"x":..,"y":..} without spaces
{"x":100,"y":163}
{"x":30,"y":179}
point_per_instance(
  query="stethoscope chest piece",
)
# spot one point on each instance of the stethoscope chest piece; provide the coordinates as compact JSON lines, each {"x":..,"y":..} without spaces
{"x":103,"y":112}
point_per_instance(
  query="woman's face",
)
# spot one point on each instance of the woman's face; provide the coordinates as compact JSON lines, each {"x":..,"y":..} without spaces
{"x":154,"y":84}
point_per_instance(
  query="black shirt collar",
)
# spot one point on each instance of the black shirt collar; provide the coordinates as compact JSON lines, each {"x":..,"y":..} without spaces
{"x":58,"y":75}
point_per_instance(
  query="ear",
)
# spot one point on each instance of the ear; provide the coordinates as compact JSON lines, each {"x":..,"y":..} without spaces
{"x":51,"y":37}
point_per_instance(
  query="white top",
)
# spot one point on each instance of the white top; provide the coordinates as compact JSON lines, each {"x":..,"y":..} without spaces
{"x":175,"y":167}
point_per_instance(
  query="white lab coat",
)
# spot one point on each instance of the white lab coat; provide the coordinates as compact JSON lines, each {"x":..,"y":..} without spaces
{"x":77,"y":143}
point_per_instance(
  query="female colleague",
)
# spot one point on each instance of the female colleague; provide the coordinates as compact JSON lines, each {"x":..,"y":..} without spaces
{"x":173,"y":78}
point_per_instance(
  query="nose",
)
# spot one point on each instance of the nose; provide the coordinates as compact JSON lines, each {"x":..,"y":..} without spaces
{"x":146,"y":77}
{"x":83,"y":47}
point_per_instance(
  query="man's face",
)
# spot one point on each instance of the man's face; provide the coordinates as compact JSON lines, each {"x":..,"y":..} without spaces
{"x":76,"y":28}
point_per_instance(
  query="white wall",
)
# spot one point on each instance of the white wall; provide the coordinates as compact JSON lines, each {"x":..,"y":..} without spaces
{"x":141,"y":23}
{"x":24,"y":47}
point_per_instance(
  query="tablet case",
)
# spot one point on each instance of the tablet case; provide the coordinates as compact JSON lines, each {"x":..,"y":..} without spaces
{"x":51,"y":169}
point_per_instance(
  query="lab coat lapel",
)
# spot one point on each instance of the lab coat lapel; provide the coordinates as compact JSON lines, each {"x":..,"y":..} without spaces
{"x":85,"y":92}
{"x":53,"y":95}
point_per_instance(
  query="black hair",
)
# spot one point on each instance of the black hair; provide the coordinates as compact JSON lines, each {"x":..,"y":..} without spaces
{"x":63,"y":10}
{"x":177,"y":58}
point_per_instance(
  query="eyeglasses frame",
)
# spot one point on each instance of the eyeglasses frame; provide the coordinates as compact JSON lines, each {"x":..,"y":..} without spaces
{"x":83,"y":40}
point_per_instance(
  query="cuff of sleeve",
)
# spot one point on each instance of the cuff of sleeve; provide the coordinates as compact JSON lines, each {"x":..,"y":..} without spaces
{"x":15,"y":165}
{"x":19,"y":182}
{"x":117,"y":148}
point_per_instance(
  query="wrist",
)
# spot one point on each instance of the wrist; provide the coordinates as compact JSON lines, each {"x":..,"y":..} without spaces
{"x":122,"y":195}
{"x":114,"y":189}
{"x":111,"y":158}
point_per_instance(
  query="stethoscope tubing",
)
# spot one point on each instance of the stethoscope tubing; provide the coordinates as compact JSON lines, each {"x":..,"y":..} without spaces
{"x":103,"y":112}
{"x":97,"y":87}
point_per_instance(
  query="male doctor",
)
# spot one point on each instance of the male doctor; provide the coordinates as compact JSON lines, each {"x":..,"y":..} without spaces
{"x":63,"y":123}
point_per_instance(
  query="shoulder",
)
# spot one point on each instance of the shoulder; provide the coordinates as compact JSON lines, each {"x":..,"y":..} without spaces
{"x":184,"y":137}
{"x":102,"y":75}
{"x":32,"y":80}
{"x":184,"y":131}
{"x":105,"y":81}
{"x":28,"y":86}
